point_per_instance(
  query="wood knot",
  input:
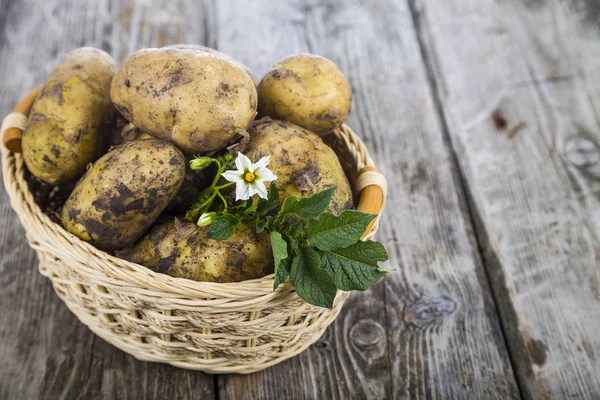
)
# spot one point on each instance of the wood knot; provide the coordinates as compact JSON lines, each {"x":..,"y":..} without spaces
{"x":427,"y":311}
{"x":499,"y":119}
{"x":538,"y":351}
{"x":323,"y":345}
{"x":367,"y":334}
{"x":501,"y":123}
{"x":583,"y":154}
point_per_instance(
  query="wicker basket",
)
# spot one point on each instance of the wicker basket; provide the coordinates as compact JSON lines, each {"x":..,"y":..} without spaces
{"x":214,"y":327}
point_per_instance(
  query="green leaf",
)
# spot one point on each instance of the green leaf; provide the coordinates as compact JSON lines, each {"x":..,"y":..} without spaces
{"x":223,"y":227}
{"x":308,"y":207}
{"x":331,"y":231}
{"x":312,"y":283}
{"x":241,"y":205}
{"x":279,"y":246}
{"x":280,"y":255}
{"x":269,"y":223}
{"x":260,"y":226}
{"x":282,"y":272}
{"x":355,"y":267}
{"x":251,"y":209}
{"x":263,"y":206}
{"x":296,"y":230}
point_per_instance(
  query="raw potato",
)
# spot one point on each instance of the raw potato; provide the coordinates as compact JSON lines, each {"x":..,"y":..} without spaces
{"x":68,"y":124}
{"x":193,"y":182}
{"x":307,"y":90}
{"x":217,"y":53}
{"x":195,"y":99}
{"x":180,"y":249}
{"x":302,"y":162}
{"x":124,"y":192}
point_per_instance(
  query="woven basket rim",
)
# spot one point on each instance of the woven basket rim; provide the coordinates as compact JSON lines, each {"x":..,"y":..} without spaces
{"x":255,"y":291}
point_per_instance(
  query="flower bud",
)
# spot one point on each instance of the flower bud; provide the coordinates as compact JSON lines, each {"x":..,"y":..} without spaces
{"x":206,"y":219}
{"x":199,"y":163}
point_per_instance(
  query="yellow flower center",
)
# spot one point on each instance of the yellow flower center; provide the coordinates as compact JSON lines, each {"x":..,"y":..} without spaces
{"x":249,"y":177}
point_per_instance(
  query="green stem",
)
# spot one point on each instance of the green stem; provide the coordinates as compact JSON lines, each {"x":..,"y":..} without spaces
{"x":224,"y":185}
{"x":207,"y":203}
{"x":218,"y":175}
{"x":222,"y":198}
{"x":213,"y":190}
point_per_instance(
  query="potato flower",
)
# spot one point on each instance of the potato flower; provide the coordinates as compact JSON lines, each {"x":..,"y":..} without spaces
{"x":250,"y":177}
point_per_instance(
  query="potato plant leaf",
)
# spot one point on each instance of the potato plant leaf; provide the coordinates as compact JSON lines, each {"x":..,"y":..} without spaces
{"x":280,"y":254}
{"x":307,"y":207}
{"x":355,"y":267}
{"x":263,"y":206}
{"x":331,"y":231}
{"x":312,"y":283}
{"x":223,"y":227}
{"x":282,"y":272}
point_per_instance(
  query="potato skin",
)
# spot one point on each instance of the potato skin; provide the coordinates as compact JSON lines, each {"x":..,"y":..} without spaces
{"x":302,"y":162}
{"x":307,"y":90}
{"x":180,"y":249}
{"x":70,"y":118}
{"x":124,"y":192}
{"x":217,"y":53}
{"x":195,"y":99}
{"x":193,"y":182}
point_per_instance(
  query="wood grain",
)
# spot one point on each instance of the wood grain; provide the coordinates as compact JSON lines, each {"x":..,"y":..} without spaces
{"x":430,"y":329}
{"x":519,"y":87}
{"x":46,"y":353}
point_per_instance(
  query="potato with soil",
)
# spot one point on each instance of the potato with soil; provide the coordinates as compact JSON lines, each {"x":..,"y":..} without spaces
{"x":217,"y":53}
{"x":124,"y":192}
{"x":195,"y":99}
{"x":302,"y":162}
{"x":180,"y":249}
{"x":71,"y":117}
{"x":193,"y":182}
{"x":307,"y":90}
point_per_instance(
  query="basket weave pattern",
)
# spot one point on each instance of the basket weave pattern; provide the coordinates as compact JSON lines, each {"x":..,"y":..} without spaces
{"x":215,"y":327}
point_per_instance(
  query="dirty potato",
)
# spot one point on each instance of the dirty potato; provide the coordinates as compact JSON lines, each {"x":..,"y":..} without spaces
{"x":193,"y":182}
{"x":302,"y":162}
{"x":180,"y":249}
{"x":195,"y":99}
{"x":124,"y":192}
{"x":217,"y":53}
{"x":68,"y":124}
{"x":307,"y":90}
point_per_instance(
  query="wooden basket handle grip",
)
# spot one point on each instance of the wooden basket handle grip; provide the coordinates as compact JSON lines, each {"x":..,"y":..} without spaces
{"x":373,"y":192}
{"x":13,"y":124}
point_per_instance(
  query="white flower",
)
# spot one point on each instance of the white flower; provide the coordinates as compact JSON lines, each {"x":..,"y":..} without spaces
{"x":250,"y":177}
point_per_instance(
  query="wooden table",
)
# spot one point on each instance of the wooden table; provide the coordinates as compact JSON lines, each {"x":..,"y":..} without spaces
{"x":485,"y":117}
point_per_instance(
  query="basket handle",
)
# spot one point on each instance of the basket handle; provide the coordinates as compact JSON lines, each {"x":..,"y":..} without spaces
{"x":14,"y":123}
{"x":373,"y":192}
{"x":371,"y":183}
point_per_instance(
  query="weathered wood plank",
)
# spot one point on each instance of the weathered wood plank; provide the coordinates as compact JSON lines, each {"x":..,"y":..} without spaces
{"x":46,"y":353}
{"x":519,"y":83}
{"x":430,"y":330}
